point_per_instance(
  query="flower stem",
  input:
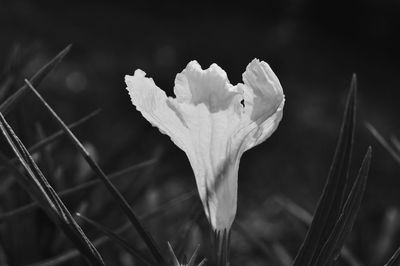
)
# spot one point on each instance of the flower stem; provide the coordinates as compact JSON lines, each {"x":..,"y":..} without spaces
{"x":222,"y":241}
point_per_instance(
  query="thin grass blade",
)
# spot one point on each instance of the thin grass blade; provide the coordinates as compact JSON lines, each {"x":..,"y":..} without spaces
{"x":70,"y":191}
{"x":38,"y":187}
{"x":100,"y":241}
{"x":332,"y":198}
{"x":126,"y":208}
{"x":395,"y":259}
{"x":11,"y":101}
{"x":334,"y":244}
{"x":383,"y":142}
{"x":118,"y":240}
{"x":53,"y":137}
{"x":304,"y":216}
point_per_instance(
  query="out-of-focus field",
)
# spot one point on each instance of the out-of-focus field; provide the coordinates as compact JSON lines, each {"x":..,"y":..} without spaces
{"x":314,"y":48}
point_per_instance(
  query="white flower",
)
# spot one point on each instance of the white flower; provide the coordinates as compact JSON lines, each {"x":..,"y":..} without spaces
{"x":213,"y":122}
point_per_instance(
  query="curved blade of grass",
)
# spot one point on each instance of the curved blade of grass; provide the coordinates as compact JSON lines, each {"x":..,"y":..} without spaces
{"x":383,"y":142}
{"x":53,"y":137}
{"x":144,"y":234}
{"x":70,"y":191}
{"x":334,"y":243}
{"x":11,"y":101}
{"x":119,"y":240}
{"x":395,"y":259}
{"x":332,"y":198}
{"x":44,"y":142}
{"x":72,"y":254}
{"x":304,"y":216}
{"x":38,"y":187}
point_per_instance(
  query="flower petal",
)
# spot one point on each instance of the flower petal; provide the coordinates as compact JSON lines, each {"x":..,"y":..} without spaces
{"x":210,"y":87}
{"x":152,"y":102}
{"x":263,"y":101}
{"x":211,"y":107}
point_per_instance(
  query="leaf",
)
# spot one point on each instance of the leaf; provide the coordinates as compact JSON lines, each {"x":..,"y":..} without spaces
{"x":126,"y":208}
{"x":395,"y":259}
{"x":11,"y":101}
{"x":343,"y":226}
{"x":119,"y":240}
{"x":304,"y":216}
{"x":70,"y":191}
{"x":192,"y":259}
{"x":332,"y":198}
{"x":38,"y":187}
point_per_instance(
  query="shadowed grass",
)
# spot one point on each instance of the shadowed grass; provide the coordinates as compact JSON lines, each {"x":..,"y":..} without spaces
{"x":344,"y":224}
{"x":144,"y":234}
{"x":98,"y":242}
{"x":119,"y":240}
{"x":39,"y":189}
{"x":383,"y":142}
{"x":333,"y":196}
{"x":305,"y":217}
{"x":11,"y":101}
{"x":395,"y":259}
{"x":70,"y":191}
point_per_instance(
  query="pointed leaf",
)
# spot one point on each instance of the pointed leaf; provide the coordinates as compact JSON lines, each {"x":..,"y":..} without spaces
{"x":147,"y":238}
{"x":70,"y":191}
{"x":11,"y":101}
{"x":72,"y":254}
{"x":38,"y":187}
{"x":332,"y":198}
{"x":118,"y":240}
{"x":333,"y":245}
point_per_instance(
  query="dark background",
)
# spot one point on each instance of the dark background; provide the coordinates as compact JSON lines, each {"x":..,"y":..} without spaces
{"x":314,"y":47}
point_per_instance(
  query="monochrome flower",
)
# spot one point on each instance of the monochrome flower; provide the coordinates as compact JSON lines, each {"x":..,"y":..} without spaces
{"x":214,"y":123}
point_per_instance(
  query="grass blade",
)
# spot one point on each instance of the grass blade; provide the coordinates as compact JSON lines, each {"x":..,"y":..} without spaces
{"x":11,"y":101}
{"x":147,"y":238}
{"x":72,"y":254}
{"x":332,"y":198}
{"x":383,"y":142}
{"x":53,"y":137}
{"x":305,"y":217}
{"x":44,"y":142}
{"x":395,"y":259}
{"x":119,"y":240}
{"x":333,"y":245}
{"x":70,"y":191}
{"x":38,"y":187}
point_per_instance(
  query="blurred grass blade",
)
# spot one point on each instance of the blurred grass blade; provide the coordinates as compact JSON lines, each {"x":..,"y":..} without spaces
{"x":333,"y":245}
{"x":72,"y":254}
{"x":332,"y":198}
{"x":53,"y":137}
{"x":46,"y":141}
{"x":11,"y":101}
{"x":70,"y":191}
{"x":395,"y":259}
{"x":119,"y":240}
{"x":147,"y":238}
{"x":38,"y":187}
{"x":383,"y":142}
{"x":305,"y":217}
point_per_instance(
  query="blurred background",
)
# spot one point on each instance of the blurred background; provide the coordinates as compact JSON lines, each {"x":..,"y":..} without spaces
{"x":314,"y":47}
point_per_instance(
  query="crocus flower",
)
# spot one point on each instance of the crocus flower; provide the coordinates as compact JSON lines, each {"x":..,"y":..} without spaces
{"x":214,"y":123}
